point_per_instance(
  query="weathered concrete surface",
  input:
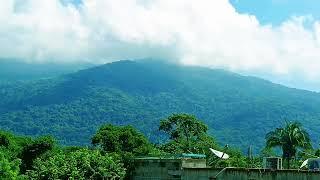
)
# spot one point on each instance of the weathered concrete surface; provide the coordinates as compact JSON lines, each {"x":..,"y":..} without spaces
{"x":195,"y":169}
{"x":247,"y":174}
{"x":155,"y":168}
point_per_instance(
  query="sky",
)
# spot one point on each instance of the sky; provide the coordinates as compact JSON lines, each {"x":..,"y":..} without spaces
{"x":274,"y":39}
{"x":277,"y":11}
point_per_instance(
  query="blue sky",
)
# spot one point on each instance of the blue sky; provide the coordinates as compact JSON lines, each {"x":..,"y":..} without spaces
{"x":270,"y":11}
{"x":277,"y":11}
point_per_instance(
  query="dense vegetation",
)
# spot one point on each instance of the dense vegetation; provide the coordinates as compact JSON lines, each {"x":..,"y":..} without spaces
{"x":186,"y":134}
{"x":289,"y":138}
{"x":235,"y":108}
{"x":114,"y":148}
{"x":41,"y":158}
{"x":17,"y":70}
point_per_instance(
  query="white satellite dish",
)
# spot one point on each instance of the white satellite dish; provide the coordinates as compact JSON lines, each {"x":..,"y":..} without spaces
{"x":220,"y":154}
{"x":304,"y":163}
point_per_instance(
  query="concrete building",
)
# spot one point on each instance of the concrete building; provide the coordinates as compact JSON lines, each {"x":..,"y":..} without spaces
{"x":194,"y":167}
{"x":247,"y":174}
{"x":165,"y":168}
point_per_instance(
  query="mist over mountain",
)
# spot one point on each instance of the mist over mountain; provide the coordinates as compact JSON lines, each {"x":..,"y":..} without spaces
{"x":18,"y":69}
{"x":239,"y":110}
{"x":228,"y":34}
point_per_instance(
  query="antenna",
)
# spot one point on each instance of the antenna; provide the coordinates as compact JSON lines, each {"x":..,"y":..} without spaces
{"x":305,"y":162}
{"x":221,"y":155}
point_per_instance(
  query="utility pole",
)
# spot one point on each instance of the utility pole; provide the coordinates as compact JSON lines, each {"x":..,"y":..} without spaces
{"x":250,"y":156}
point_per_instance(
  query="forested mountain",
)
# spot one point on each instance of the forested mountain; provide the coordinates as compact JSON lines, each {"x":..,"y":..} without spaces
{"x":239,"y":110}
{"x":14,"y":69}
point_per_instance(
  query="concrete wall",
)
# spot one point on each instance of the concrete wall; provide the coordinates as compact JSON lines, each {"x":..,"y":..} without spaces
{"x":157,"y":169}
{"x":195,"y":169}
{"x":247,"y":174}
{"x":193,"y":163}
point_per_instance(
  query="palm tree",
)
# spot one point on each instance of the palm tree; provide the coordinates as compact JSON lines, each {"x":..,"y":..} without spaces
{"x":289,"y":138}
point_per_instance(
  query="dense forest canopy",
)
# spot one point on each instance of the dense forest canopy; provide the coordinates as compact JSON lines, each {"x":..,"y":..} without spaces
{"x":141,"y":93}
{"x":114,"y":149}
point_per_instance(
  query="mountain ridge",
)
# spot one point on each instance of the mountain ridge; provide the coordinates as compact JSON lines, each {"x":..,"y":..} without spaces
{"x":235,"y":107}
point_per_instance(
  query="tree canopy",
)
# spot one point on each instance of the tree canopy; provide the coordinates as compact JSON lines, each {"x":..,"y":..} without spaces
{"x":139,"y":93}
{"x":186,"y":134}
{"x":81,"y":164}
{"x":35,"y":149}
{"x":125,"y":141}
{"x":121,"y":139}
{"x":9,"y":169}
{"x":115,"y":147}
{"x":289,"y":139}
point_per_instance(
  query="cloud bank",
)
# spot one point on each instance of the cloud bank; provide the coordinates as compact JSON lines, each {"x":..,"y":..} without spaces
{"x":204,"y":32}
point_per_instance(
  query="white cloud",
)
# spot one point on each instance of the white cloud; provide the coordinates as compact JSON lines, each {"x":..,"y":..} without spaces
{"x":203,"y":32}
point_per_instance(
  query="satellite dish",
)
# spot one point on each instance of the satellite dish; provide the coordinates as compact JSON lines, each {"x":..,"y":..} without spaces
{"x":304,"y":163}
{"x":220,"y":154}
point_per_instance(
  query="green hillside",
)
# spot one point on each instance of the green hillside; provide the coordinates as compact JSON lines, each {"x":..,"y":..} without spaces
{"x":15,"y":69}
{"x":239,"y":110}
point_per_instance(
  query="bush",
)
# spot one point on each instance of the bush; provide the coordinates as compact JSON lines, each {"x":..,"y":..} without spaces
{"x":80,"y":164}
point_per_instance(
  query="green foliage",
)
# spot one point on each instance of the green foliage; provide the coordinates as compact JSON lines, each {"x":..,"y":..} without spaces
{"x":237,"y":159}
{"x":317,"y":153}
{"x":41,"y":158}
{"x":235,"y":108}
{"x":187,"y":134}
{"x":183,"y":126}
{"x":9,"y":170}
{"x":80,"y":164}
{"x":121,"y":139}
{"x":289,"y":139}
{"x":11,"y":145}
{"x":4,"y":140}
{"x":34,"y":150}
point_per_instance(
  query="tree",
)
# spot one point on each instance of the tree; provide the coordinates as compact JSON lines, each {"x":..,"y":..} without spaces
{"x":317,"y":153}
{"x":289,"y":138}
{"x":12,"y":143}
{"x":187,"y":134}
{"x":80,"y":164}
{"x":8,"y":169}
{"x":121,"y":139}
{"x":4,"y":140}
{"x":35,"y":149}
